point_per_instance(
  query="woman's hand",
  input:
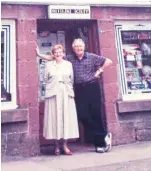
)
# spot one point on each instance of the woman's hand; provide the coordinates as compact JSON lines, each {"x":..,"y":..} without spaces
{"x":43,"y":56}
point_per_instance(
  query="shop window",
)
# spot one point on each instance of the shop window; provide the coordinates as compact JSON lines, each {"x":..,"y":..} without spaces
{"x":8,"y":64}
{"x":134,"y":53}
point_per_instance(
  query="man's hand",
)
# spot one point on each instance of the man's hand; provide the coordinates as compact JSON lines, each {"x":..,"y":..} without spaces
{"x":98,"y":72}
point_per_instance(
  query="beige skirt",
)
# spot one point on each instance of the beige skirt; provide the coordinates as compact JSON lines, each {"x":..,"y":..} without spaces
{"x":60,"y":116}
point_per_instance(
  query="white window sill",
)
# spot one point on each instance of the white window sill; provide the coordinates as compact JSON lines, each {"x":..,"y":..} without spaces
{"x":8,"y":106}
{"x":136,"y":97}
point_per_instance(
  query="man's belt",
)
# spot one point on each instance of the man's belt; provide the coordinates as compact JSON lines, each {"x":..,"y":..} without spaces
{"x":86,"y":83}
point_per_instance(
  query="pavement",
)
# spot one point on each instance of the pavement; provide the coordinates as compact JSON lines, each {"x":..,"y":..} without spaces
{"x":131,"y":157}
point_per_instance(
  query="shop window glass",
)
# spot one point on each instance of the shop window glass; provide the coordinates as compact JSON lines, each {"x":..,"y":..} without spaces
{"x":8,"y":64}
{"x":134,"y":51}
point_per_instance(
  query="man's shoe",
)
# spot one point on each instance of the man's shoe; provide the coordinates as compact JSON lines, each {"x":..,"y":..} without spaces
{"x":100,"y":149}
{"x":108,"y":141}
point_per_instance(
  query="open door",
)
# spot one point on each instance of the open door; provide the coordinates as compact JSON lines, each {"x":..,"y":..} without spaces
{"x":51,"y":32}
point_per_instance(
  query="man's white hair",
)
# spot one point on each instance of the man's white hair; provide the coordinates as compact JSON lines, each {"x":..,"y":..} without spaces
{"x":78,"y":40}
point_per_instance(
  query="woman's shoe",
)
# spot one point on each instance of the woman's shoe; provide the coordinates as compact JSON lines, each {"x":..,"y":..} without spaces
{"x":57,"y":152}
{"x":67,"y":152}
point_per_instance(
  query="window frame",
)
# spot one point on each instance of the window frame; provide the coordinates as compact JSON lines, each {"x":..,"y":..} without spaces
{"x":128,"y":26}
{"x":12,"y":61}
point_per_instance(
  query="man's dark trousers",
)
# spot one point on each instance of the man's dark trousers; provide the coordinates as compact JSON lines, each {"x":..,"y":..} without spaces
{"x":88,"y":103}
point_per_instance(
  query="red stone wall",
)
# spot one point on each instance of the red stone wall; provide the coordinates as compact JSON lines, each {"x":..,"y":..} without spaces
{"x":27,"y":81}
{"x":129,"y":129}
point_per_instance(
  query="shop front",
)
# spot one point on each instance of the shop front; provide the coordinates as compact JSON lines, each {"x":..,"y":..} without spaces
{"x":50,"y":32}
{"x":118,"y":31}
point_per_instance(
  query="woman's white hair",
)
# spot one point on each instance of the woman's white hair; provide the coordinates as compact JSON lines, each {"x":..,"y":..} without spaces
{"x":78,"y":40}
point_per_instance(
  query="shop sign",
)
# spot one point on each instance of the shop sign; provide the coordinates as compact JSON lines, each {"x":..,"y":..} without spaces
{"x":68,"y":12}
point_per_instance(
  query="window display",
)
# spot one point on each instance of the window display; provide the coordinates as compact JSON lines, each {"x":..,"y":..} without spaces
{"x":134,"y":52}
{"x":137,"y":58}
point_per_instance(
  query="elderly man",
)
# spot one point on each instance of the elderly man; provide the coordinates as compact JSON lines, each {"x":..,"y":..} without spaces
{"x":87,"y":91}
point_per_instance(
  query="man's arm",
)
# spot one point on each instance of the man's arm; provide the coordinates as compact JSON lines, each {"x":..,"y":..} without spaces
{"x":43,"y":56}
{"x":107,"y":63}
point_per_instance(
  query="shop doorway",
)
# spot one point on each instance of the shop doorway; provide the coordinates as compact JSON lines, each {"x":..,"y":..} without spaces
{"x":50,"y":32}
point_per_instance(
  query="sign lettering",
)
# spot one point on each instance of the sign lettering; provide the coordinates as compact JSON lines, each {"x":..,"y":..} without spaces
{"x":68,"y":12}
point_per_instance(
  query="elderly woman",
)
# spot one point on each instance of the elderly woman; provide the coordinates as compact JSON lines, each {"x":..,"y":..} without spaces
{"x":60,"y":116}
